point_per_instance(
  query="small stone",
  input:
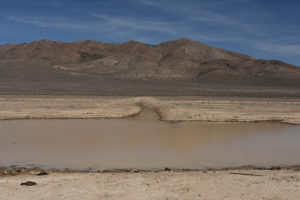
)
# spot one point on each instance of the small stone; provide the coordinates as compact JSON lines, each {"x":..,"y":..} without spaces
{"x":135,"y":170}
{"x":43,"y":173}
{"x":19,"y":170}
{"x":275,"y":168}
{"x":29,"y":183}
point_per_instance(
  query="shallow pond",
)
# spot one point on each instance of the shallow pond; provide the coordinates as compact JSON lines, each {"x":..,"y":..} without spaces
{"x":144,"y":142}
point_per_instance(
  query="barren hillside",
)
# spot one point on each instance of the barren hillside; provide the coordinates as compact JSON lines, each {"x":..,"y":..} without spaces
{"x":48,"y":66}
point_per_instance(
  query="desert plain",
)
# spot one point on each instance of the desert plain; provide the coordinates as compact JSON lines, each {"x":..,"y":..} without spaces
{"x":180,"y":80}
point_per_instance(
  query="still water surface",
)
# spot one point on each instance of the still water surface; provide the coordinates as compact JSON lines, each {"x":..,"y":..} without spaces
{"x":144,"y":142}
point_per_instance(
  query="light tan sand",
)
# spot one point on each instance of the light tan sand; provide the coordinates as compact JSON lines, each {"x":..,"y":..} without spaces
{"x":243,"y":109}
{"x":272,"y":185}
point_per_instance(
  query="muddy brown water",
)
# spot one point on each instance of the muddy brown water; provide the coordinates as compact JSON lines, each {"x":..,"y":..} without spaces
{"x":144,"y":142}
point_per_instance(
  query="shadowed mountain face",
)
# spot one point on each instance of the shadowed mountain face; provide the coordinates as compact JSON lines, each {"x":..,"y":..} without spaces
{"x":60,"y":66}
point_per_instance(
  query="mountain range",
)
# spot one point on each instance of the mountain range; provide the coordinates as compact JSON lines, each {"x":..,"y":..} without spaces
{"x":61,"y":66}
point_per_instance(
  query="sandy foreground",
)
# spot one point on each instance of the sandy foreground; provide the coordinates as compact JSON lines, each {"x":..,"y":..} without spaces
{"x":218,"y":109}
{"x":223,"y":184}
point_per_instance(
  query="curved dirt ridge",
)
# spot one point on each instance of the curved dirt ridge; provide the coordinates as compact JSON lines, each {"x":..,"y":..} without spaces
{"x":172,"y":109}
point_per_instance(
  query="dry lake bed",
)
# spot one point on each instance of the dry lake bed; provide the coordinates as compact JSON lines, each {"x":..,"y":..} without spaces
{"x":149,"y":135}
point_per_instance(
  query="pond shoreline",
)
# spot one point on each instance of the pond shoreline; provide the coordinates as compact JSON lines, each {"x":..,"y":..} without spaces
{"x":18,"y":171}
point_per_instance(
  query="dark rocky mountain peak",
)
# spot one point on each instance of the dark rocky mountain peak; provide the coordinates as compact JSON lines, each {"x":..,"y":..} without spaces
{"x":177,"y":59}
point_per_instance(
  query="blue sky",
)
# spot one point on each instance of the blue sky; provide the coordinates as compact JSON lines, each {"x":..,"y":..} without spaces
{"x":268,"y":29}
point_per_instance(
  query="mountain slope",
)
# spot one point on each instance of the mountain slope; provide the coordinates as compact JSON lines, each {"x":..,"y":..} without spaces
{"x":60,"y":65}
{"x":178,"y":59}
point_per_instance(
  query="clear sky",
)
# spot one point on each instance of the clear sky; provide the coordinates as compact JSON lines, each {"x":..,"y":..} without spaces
{"x":267,"y":29}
